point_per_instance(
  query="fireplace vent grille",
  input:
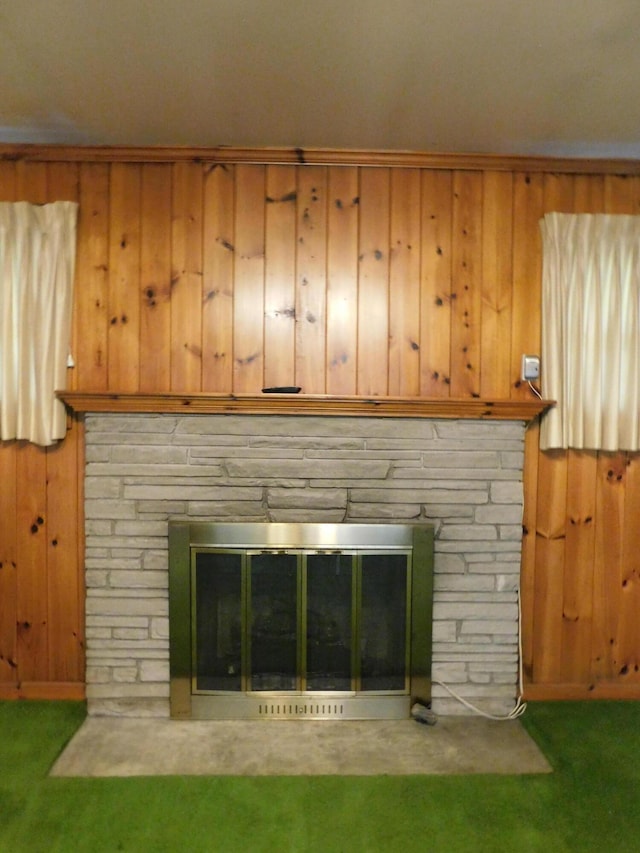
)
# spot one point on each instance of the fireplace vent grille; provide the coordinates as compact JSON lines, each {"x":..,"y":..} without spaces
{"x":310,"y":709}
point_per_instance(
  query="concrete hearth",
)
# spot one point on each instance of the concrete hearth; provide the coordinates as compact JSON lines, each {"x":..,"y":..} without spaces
{"x":130,"y":747}
{"x":463,"y":476}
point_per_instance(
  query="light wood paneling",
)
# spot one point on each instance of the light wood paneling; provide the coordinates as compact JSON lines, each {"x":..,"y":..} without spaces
{"x":496,"y":287}
{"x":342,"y":281}
{"x":248,"y":313}
{"x":404,"y":283}
{"x":155,"y":278}
{"x":186,"y":277}
{"x":629,"y":639}
{"x":279,"y":285}
{"x":466,"y":295}
{"x":32,"y":611}
{"x":218,"y":258}
{"x":311,"y":280}
{"x":91,"y":302}
{"x":373,"y":283}
{"x":370,"y":275}
{"x":123,"y":337}
{"x":435,"y":292}
{"x":8,"y":562}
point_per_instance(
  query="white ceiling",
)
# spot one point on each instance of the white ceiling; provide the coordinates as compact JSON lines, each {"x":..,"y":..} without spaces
{"x":549,"y":77}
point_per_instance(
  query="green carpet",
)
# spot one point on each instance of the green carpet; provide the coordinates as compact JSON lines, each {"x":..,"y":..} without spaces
{"x":591,"y":801}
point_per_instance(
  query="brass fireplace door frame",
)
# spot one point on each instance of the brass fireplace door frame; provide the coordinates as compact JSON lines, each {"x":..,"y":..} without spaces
{"x":185,"y":538}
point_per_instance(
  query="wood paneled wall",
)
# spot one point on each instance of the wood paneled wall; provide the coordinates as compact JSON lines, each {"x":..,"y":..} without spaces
{"x":205,"y":275}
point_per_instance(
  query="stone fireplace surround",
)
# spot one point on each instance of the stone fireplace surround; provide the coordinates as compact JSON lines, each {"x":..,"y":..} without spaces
{"x":464,"y":475}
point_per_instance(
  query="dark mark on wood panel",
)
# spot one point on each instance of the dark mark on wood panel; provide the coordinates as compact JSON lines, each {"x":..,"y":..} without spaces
{"x":290,"y":196}
{"x":249,"y":359}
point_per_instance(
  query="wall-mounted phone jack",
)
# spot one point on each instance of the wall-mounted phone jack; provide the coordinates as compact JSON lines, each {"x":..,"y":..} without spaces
{"x":530,"y":369}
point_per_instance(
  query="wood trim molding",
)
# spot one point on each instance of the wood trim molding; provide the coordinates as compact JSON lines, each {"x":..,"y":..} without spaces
{"x":304,"y":404}
{"x":58,"y":690}
{"x":578,"y":692}
{"x":318,"y":157}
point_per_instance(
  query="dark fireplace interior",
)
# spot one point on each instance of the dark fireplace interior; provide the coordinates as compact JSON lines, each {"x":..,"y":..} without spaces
{"x":299,"y":620}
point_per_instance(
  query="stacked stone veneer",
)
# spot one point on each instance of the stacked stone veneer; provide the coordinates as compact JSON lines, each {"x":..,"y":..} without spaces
{"x":465,"y":477}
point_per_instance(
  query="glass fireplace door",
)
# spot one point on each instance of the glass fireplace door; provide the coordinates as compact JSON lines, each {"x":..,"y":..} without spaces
{"x":274,"y":620}
{"x":330,"y":624}
{"x":304,"y":622}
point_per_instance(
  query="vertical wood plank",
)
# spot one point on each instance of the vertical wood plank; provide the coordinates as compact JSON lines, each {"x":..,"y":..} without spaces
{"x":311,"y":280}
{"x":8,"y":517}
{"x":529,"y":541}
{"x":528,"y":208}
{"x":218,"y":251}
{"x":248,"y":316}
{"x":64,"y":619}
{"x":497,"y":277}
{"x":619,"y":194}
{"x":124,"y":278}
{"x":466,"y":296}
{"x":8,"y":180}
{"x":155,"y":278}
{"x":33,"y":586}
{"x":8,"y":562}
{"x":31,"y":182}
{"x":629,"y":636}
{"x":609,"y":576}
{"x":549,"y":569}
{"x":65,"y":658}
{"x":91,"y":293}
{"x":280,"y":272}
{"x":342,"y":279}
{"x":404,"y":284}
{"x":551,"y":524}
{"x":588,"y":193}
{"x":31,"y":510}
{"x":186,"y":278}
{"x":577,"y":594}
{"x":610,"y":652}
{"x":525,"y":338}
{"x":435,"y":292}
{"x":577,"y":612}
{"x":63,"y":184}
{"x":373,"y":282}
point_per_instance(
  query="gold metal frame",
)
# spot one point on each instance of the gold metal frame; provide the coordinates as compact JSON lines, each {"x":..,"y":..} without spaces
{"x":187,"y":539}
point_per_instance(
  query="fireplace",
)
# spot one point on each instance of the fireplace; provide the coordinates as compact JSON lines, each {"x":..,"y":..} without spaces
{"x":299,"y":621}
{"x":463,"y":475}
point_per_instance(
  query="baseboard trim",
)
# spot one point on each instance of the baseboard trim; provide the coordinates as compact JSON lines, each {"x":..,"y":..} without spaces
{"x":598,"y":690}
{"x":70,"y":690}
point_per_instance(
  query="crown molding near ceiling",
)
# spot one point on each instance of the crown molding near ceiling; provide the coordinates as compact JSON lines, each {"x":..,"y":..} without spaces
{"x":316,"y":157}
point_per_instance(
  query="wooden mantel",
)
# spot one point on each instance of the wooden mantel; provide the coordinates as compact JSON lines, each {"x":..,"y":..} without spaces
{"x":304,"y":404}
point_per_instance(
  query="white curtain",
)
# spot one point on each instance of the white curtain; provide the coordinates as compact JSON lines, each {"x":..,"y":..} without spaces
{"x":591,"y":331}
{"x":37,"y":262}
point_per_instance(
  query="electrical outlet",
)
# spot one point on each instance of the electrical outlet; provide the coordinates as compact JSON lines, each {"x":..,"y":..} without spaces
{"x":530,"y":368}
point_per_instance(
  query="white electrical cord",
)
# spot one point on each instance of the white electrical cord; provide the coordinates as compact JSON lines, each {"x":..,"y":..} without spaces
{"x":534,"y":389}
{"x":520,"y":707}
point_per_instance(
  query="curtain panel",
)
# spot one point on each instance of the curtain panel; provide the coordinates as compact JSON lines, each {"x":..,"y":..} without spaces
{"x":591,"y":331}
{"x":37,"y":264}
